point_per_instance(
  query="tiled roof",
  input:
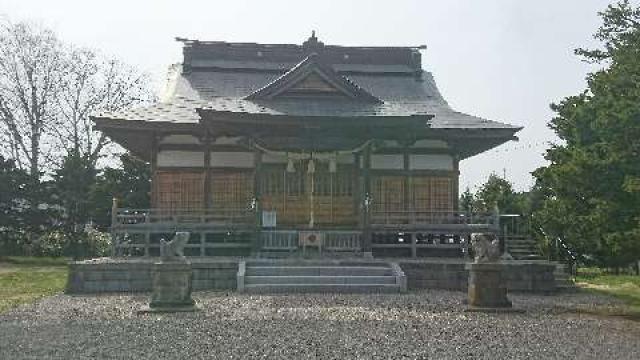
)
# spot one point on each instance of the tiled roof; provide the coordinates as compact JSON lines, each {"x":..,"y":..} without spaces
{"x":218,"y":76}
{"x":401,"y":95}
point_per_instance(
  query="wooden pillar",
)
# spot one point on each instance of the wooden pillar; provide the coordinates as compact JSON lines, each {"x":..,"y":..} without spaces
{"x":257,"y":176}
{"x":155,"y":139}
{"x":366,"y":180}
{"x":406,"y":194}
{"x":114,"y":221}
{"x":357,"y":190}
{"x":406,"y":198}
{"x":456,"y":183}
{"x":153,"y":161}
{"x":208,"y":201}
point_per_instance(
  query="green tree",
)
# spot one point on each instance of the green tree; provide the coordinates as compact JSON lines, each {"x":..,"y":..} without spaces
{"x":496,"y":192}
{"x":26,"y":209}
{"x":130,"y":184}
{"x":467,"y":201}
{"x":73,"y":183}
{"x":589,"y":189}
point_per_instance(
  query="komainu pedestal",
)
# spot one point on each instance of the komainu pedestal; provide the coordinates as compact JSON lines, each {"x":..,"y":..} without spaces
{"x":172,"y":278}
{"x":487,"y":288}
{"x":172,"y":287}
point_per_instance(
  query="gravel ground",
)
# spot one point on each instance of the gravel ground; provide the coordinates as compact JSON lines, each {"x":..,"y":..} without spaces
{"x":418,"y":325}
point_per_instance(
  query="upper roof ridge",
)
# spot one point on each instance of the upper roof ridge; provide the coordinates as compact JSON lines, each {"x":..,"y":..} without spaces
{"x":196,"y":52}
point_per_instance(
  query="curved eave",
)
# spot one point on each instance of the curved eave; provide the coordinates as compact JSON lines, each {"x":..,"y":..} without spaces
{"x":470,"y":142}
{"x":138,"y":136}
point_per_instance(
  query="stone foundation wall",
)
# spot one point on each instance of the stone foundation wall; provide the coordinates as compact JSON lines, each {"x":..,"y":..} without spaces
{"x":526,"y":276}
{"x":100,"y":276}
{"x":135,"y":276}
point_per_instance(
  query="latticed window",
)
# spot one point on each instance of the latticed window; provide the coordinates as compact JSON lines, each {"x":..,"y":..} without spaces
{"x":232,"y":190}
{"x":441,"y":194}
{"x":179,"y":190}
{"x":272,"y":181}
{"x":275,"y":180}
{"x":421,"y":186}
{"x":388,"y":193}
{"x":295,"y":183}
{"x":336,"y":184}
{"x":432,"y":193}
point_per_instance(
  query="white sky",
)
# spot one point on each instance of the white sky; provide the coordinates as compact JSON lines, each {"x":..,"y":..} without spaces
{"x":504,"y":60}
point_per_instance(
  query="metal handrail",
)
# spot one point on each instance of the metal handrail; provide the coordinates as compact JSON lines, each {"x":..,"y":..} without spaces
{"x":564,"y":251}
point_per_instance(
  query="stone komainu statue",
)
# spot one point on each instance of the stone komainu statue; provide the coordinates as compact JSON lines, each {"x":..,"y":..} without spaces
{"x":486,"y":247}
{"x":174,"y":249}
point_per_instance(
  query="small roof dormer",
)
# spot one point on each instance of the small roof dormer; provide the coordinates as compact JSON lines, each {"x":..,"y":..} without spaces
{"x":312,"y":78}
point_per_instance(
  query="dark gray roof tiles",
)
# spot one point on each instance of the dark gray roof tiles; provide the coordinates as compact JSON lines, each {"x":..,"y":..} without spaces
{"x":219,"y":75}
{"x":182,"y":110}
{"x":179,"y":110}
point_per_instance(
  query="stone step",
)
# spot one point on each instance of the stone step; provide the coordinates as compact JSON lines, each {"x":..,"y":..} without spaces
{"x":323,"y":288}
{"x":521,"y":247}
{"x":320,"y":280}
{"x":521,"y":241}
{"x":525,"y":255}
{"x":320,"y":276}
{"x":564,"y":282}
{"x":318,"y":271}
{"x":315,"y":263}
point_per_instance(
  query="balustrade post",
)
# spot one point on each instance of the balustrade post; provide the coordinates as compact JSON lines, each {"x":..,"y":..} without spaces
{"x":414,"y":243}
{"x":203,"y":240}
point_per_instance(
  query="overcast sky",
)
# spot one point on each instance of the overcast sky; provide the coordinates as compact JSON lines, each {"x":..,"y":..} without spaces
{"x":504,"y":60}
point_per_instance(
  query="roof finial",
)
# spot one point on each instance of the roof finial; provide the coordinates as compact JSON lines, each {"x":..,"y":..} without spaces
{"x":312,"y":44}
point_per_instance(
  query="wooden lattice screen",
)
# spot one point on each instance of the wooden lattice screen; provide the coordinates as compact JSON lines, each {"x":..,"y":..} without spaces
{"x":427,"y":193}
{"x":233,"y":190}
{"x":178,"y":190}
{"x":387,"y":192}
{"x":288,"y":193}
{"x":432,"y":193}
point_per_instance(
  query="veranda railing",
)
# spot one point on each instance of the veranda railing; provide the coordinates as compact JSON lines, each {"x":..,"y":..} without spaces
{"x":418,"y":217}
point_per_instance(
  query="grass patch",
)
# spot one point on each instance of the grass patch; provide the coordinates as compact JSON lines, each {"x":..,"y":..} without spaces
{"x":24,"y":280}
{"x":623,"y":287}
{"x":33,"y":261}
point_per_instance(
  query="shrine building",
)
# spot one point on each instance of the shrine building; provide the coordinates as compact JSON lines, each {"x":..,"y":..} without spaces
{"x":259,"y":149}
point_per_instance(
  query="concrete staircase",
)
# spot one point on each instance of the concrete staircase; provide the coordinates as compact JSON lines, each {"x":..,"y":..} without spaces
{"x":295,"y":276}
{"x":563,"y":278}
{"x":522,"y":248}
